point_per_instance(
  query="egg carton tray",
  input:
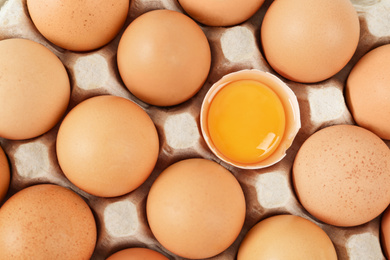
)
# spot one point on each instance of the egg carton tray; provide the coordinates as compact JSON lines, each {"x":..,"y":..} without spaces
{"x":121,"y":221}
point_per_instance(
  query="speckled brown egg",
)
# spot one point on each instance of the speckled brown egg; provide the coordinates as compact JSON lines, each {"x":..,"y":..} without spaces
{"x":368,"y":91}
{"x":46,"y":221}
{"x":341,"y":175}
{"x":78,"y":25}
{"x":137,"y":253}
{"x":163,"y":57}
{"x":34,"y":89}
{"x":309,"y":41}
{"x":4,"y":175}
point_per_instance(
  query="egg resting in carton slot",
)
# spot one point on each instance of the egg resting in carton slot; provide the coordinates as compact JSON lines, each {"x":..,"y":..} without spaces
{"x":121,"y":221}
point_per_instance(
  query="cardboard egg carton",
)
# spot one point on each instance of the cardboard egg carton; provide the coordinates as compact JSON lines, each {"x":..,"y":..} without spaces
{"x":122,"y":220}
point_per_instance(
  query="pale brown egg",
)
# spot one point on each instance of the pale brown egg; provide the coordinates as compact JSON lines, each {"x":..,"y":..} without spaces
{"x":137,"y":254}
{"x":196,"y":208}
{"x":341,"y":175}
{"x":368,"y":91}
{"x":4,"y":175}
{"x":34,"y":89}
{"x":46,"y":222}
{"x":309,"y":41}
{"x":221,"y":12}
{"x":286,"y":237}
{"x":164,"y":57}
{"x":385,"y":232}
{"x":78,"y":25}
{"x":107,"y":146}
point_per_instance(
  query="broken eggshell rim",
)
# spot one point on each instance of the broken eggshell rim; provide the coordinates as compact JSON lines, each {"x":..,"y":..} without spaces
{"x":286,"y":96}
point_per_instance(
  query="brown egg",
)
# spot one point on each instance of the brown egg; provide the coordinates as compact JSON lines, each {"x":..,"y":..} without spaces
{"x":309,"y":41}
{"x":341,"y":175}
{"x":78,"y":25}
{"x":164,"y":57}
{"x":107,"y":146}
{"x":286,"y":237}
{"x":4,"y":175}
{"x":196,"y":208}
{"x":46,"y":222}
{"x":385,"y":232}
{"x":137,"y":254}
{"x":221,"y":13}
{"x":34,"y":89}
{"x":368,"y":91}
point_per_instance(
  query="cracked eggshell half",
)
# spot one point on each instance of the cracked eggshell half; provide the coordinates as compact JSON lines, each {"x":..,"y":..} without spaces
{"x":231,"y":123}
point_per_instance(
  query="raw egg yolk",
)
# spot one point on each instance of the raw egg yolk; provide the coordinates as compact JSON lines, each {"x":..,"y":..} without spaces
{"x":246,"y":121}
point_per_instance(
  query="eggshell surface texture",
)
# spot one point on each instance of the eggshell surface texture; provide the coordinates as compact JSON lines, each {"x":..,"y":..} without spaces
{"x":349,"y":166}
{"x":34,"y":89}
{"x":368,"y":91}
{"x":137,"y":254}
{"x":309,"y":41}
{"x":163,"y":57}
{"x":4,"y":175}
{"x":286,"y":237}
{"x":221,"y":12}
{"x":196,"y":208}
{"x":107,"y":146}
{"x":46,"y":222}
{"x":78,"y":25}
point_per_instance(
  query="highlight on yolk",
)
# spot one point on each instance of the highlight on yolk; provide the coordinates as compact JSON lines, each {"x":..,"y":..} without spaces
{"x":246,"y":121}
